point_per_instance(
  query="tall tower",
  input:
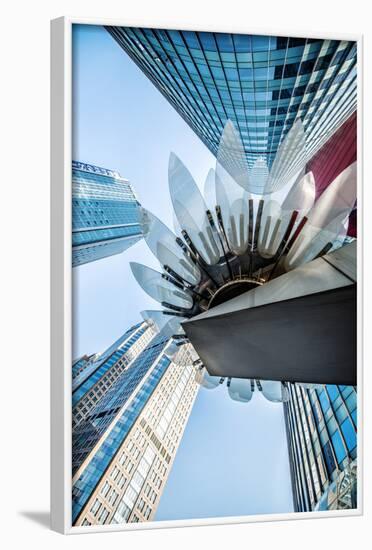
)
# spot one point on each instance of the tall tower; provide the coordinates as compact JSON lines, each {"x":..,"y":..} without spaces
{"x":104,"y":213}
{"x":103,"y":369}
{"x":261,"y":83}
{"x":321,"y":426}
{"x":125,"y":441}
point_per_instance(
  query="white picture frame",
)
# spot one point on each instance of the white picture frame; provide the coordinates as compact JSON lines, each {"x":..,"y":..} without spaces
{"x":61,"y":290}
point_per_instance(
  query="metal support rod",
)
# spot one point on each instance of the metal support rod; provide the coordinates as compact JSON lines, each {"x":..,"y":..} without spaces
{"x":199,"y":262}
{"x":288,"y":232}
{"x":296,"y":233}
{"x":222,"y":227}
{"x":176,"y":276}
{"x":185,"y":312}
{"x":181,"y":286}
{"x":324,"y":250}
{"x":283,"y":244}
{"x":250,"y":226}
{"x":258,"y":224}
{"x":211,"y":222}
{"x":190,"y":244}
{"x":186,"y":250}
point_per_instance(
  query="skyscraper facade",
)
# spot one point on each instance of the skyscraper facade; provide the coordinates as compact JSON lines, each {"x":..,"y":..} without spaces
{"x":261,"y":83}
{"x":104,"y":213}
{"x":104,"y":369}
{"x":322,"y":440}
{"x":131,"y":424}
{"x":80,"y":364}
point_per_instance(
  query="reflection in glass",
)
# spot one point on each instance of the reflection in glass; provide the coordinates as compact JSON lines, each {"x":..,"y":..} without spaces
{"x":162,"y":243}
{"x":240,"y":389}
{"x":206,"y":380}
{"x":274,"y":391}
{"x":158,"y":288}
{"x":190,"y":209}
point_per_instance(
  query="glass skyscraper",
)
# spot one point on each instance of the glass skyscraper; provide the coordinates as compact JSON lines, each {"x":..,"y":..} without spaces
{"x":261,"y":83}
{"x":94,"y":381}
{"x":104,"y":213}
{"x":322,"y":440}
{"x":130,"y":407}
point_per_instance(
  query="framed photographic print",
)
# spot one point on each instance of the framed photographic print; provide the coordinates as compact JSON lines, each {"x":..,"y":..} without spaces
{"x":206,"y":288}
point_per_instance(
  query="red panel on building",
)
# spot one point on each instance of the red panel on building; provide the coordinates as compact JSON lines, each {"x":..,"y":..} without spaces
{"x":336,"y":155}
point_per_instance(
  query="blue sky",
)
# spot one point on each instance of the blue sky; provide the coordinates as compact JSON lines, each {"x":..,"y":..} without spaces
{"x":233,"y":457}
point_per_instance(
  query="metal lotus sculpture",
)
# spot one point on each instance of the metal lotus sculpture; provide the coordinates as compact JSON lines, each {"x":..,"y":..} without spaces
{"x":253,"y":224}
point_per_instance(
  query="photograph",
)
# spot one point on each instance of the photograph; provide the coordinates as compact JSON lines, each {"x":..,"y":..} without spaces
{"x":214,"y":191}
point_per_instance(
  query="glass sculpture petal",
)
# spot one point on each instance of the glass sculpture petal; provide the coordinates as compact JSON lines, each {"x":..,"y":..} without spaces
{"x":259,"y":175}
{"x":206,"y":380}
{"x":272,"y":228}
{"x":289,"y":159}
{"x":162,"y":243}
{"x":210,"y":194}
{"x":231,"y":159}
{"x":273,"y":391}
{"x":326,"y":220}
{"x":158,"y":321}
{"x":158,"y":288}
{"x":190,"y":209}
{"x":155,"y":318}
{"x":174,"y":353}
{"x":341,"y":237}
{"x":176,"y":226}
{"x":233,"y":201}
{"x":338,"y":198}
{"x":240,"y":389}
{"x":313,"y":242}
{"x":301,"y":196}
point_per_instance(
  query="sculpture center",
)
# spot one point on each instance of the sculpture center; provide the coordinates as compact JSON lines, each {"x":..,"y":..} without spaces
{"x":231,"y":290}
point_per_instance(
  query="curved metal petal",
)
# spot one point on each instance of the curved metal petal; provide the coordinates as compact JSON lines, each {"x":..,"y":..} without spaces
{"x":289,"y":160}
{"x":210,"y":194}
{"x":155,"y":318}
{"x":326,"y":220}
{"x":341,"y":238}
{"x":158,"y":288}
{"x":233,"y":202}
{"x":259,"y":175}
{"x":162,"y":243}
{"x":338,"y":198}
{"x":272,"y":229}
{"x":313,"y":242}
{"x":231,"y":159}
{"x":273,"y":391}
{"x":240,"y":389}
{"x":301,"y":196}
{"x":175,"y":354}
{"x":190,"y":209}
{"x":206,"y":380}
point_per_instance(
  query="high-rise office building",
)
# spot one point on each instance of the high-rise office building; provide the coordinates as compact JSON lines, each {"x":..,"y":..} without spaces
{"x":131,"y":424}
{"x":79,"y":365}
{"x":104,"y":213}
{"x":321,"y":429}
{"x":92,"y":383}
{"x":261,"y":83}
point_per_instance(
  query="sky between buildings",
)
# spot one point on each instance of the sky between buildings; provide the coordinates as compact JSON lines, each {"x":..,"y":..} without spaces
{"x":233,"y":457}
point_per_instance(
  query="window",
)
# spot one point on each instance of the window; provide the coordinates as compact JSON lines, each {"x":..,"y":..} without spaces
{"x":338,"y":446}
{"x":349,"y":434}
{"x":105,"y":489}
{"x":122,"y":513}
{"x":103,"y":515}
{"x":96,"y":506}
